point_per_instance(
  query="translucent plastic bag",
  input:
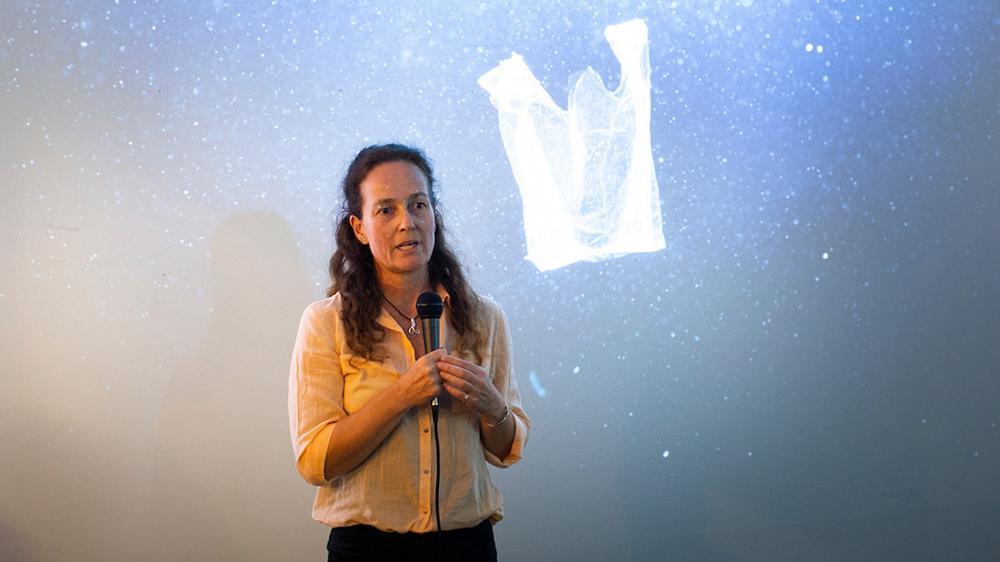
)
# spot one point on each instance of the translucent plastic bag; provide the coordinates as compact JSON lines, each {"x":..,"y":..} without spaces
{"x":585,"y":174}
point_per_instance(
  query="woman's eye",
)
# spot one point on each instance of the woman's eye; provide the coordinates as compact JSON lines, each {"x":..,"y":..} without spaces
{"x":420,"y":205}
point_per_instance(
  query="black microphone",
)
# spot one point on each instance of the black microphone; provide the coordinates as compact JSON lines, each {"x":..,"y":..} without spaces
{"x":429,"y":309}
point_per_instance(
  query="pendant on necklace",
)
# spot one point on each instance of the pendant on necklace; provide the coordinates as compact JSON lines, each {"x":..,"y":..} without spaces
{"x":413,"y":327}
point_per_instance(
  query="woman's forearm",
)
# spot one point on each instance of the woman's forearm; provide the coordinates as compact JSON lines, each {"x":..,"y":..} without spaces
{"x":498,"y":439}
{"x":354,"y":437}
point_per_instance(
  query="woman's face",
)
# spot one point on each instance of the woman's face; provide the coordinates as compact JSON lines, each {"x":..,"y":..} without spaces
{"x":397,"y":221}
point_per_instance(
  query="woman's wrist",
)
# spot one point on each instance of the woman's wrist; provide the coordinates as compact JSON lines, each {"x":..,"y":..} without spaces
{"x":497,"y":420}
{"x":400,"y":399}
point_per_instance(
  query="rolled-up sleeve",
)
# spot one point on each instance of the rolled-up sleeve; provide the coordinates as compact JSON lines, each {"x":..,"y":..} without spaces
{"x":502,"y":365}
{"x":315,"y":392}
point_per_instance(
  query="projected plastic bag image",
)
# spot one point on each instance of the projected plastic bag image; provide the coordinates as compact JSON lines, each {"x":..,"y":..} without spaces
{"x":585,"y":173}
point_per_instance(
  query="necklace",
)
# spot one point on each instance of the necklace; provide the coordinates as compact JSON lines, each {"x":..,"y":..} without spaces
{"x":413,"y":319}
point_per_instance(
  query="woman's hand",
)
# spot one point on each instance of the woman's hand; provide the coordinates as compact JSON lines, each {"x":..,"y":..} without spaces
{"x":469,"y":383}
{"x":421,"y":383}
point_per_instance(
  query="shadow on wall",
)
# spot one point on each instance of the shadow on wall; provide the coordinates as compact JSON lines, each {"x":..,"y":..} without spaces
{"x":12,"y":548}
{"x":224,"y":483}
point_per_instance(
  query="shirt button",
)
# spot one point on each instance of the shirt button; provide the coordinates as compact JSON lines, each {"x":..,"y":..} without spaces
{"x":427,"y":431}
{"x":426,"y":471}
{"x":424,"y":511}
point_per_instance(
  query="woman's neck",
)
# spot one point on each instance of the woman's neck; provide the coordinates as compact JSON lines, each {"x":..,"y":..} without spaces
{"x":403,"y":290}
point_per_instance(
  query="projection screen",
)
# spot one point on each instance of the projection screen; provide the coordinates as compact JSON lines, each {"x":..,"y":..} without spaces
{"x":790,"y":351}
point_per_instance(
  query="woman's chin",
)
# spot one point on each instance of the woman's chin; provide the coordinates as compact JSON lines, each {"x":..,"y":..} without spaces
{"x":407,"y":265}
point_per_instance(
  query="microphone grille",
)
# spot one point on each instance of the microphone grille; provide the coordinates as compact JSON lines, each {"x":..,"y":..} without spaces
{"x":429,"y":305}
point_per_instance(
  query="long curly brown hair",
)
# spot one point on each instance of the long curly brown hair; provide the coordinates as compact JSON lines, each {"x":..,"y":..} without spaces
{"x":352,"y":267}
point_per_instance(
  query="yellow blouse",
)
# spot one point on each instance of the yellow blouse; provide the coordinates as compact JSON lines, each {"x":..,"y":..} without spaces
{"x":393,"y":489}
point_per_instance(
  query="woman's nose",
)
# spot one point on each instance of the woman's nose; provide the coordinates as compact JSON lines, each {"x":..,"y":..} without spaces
{"x":407,"y":221}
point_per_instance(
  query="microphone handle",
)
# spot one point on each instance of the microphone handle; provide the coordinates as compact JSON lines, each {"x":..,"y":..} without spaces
{"x":431,"y":329}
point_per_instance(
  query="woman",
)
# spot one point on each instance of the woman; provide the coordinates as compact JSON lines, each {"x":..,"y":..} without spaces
{"x":393,"y":481}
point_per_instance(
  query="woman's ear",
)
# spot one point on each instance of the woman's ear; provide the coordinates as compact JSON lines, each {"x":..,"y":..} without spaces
{"x":358,"y":232}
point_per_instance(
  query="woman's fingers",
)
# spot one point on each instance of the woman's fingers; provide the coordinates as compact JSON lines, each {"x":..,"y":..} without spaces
{"x":455,"y":370}
{"x":432,"y":358}
{"x":422,"y":381}
{"x":463,"y":380}
{"x":457,"y":382}
{"x":468,"y":382}
{"x":462,"y":364}
{"x":460,"y":370}
{"x":467,"y":388}
{"x":457,"y":392}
